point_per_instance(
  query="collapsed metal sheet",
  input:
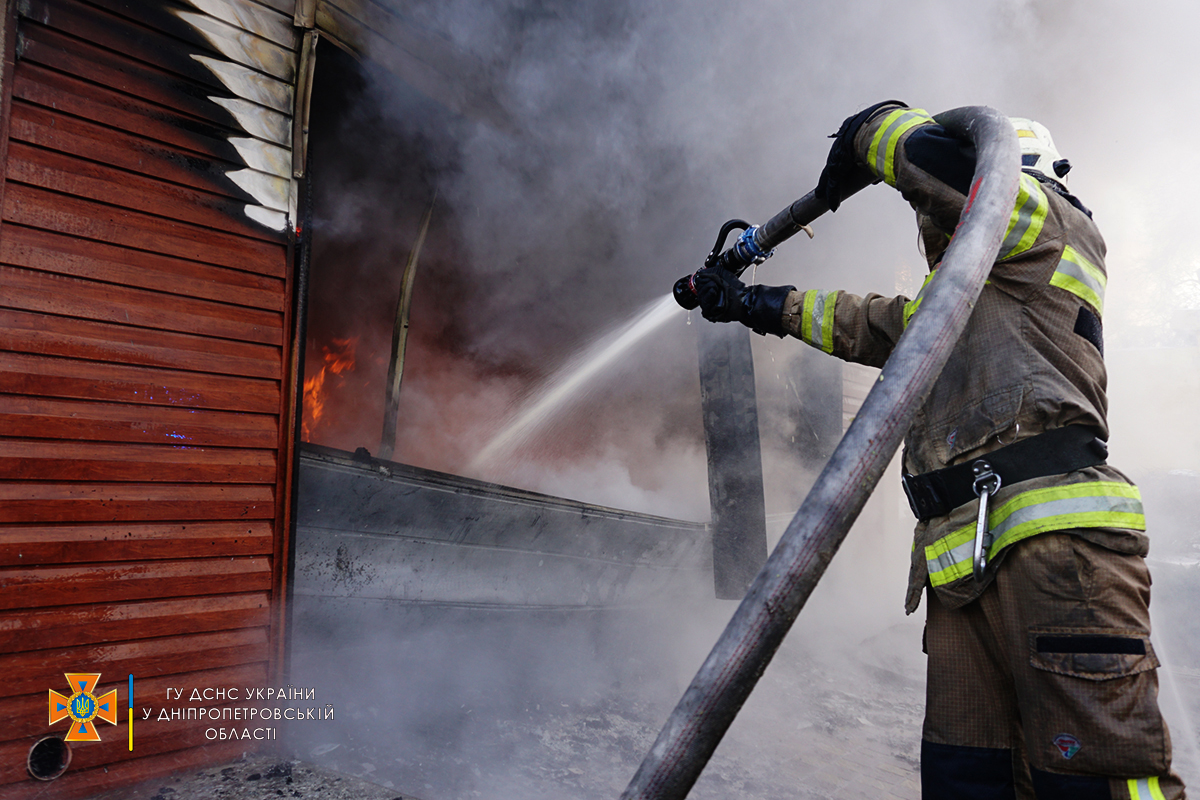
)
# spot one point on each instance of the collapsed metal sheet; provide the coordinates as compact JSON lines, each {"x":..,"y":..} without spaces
{"x":370,"y":530}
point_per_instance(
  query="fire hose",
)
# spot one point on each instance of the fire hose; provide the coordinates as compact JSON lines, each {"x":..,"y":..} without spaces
{"x":745,"y":648}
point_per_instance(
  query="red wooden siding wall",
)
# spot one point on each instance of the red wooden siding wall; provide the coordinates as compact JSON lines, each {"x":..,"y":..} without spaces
{"x":145,"y":400}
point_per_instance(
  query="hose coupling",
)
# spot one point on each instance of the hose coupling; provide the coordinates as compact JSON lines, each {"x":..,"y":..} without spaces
{"x":748,"y":248}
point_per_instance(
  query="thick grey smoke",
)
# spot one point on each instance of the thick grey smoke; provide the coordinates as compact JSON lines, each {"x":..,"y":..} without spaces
{"x":636,"y":129}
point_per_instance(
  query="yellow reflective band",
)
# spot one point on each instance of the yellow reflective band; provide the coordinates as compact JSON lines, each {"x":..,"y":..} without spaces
{"x":1081,"y":278}
{"x":881,"y":156}
{"x":1024,"y":134}
{"x":810,"y":299}
{"x":1145,"y":789}
{"x":816,"y":320}
{"x":950,"y":557}
{"x":1093,"y":504}
{"x":1028,"y":217}
{"x":911,"y":306}
{"x":830,"y":305}
{"x":884,"y":130}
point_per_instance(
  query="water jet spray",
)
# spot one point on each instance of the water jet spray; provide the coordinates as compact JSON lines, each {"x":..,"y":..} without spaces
{"x":567,"y":384}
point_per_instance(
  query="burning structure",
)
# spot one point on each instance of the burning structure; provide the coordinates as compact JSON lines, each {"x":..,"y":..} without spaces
{"x":155,"y":251}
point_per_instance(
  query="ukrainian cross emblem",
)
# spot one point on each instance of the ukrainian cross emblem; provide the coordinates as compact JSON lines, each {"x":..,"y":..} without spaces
{"x":83,"y":707}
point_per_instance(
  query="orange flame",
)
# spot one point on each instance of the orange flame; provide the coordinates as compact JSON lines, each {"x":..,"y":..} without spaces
{"x":339,"y":358}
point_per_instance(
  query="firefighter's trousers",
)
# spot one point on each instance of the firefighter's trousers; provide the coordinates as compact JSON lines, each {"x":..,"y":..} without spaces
{"x":1046,"y":685}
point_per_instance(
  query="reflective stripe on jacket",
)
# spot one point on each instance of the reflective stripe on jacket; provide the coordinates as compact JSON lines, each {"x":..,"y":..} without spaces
{"x":1090,"y":504}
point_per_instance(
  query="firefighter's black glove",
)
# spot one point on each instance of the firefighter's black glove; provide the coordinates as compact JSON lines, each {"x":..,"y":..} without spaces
{"x":842,"y":162}
{"x":720,"y":294}
{"x":724,"y":298}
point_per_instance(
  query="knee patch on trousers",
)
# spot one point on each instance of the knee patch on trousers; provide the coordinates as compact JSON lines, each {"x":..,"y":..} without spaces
{"x":952,"y":772}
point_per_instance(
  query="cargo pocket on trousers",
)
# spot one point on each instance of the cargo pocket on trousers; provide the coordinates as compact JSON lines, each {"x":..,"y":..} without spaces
{"x":1096,"y":654}
{"x":1090,"y":706}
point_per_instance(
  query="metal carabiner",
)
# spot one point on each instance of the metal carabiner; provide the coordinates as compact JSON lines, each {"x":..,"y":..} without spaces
{"x":986,"y":484}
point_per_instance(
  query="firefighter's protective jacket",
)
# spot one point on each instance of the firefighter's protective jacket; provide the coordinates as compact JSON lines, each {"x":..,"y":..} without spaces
{"x":1030,"y":359}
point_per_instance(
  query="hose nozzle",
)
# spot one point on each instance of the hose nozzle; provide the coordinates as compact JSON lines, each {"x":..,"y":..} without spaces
{"x":685,"y":292}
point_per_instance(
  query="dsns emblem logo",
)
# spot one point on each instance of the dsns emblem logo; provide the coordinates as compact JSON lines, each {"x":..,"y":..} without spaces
{"x":83,"y":707}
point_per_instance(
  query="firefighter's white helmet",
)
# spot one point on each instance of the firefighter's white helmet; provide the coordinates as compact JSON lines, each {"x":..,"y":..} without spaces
{"x":1038,"y":151}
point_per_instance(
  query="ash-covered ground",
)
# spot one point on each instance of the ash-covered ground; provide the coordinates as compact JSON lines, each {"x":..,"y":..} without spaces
{"x":256,"y":777}
{"x":448,"y":704}
{"x":567,"y":707}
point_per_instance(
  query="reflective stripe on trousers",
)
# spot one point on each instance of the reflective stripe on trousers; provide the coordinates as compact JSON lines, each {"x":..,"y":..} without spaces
{"x":1145,"y":789}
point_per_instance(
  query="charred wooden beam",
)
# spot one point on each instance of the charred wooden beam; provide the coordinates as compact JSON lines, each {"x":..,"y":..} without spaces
{"x":391,"y":408}
{"x":735,"y":475}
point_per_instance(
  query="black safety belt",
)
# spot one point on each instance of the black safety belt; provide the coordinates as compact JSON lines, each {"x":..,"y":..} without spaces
{"x":937,"y":493}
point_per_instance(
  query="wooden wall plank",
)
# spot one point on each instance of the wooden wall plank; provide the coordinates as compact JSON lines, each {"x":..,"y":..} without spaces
{"x":68,"y":134}
{"x":61,"y":295}
{"x":59,"y":172}
{"x":86,"y":583}
{"x":95,"y":623}
{"x":67,"y":296}
{"x":146,"y":658}
{"x":251,"y":16}
{"x":73,"y":216}
{"x":51,"y":460}
{"x":26,"y":332}
{"x":152,"y":56}
{"x":89,"y":380}
{"x":29,"y":502}
{"x":52,"y":502}
{"x":143,"y":44}
{"x":47,"y":251}
{"x":49,"y":89}
{"x":198,"y":32}
{"x":30,"y":417}
{"x":260,"y":106}
{"x":81,"y":59}
{"x":34,"y":545}
{"x":27,"y":714}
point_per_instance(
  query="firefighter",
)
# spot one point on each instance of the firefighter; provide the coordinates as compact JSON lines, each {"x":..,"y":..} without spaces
{"x":1041,"y":676}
